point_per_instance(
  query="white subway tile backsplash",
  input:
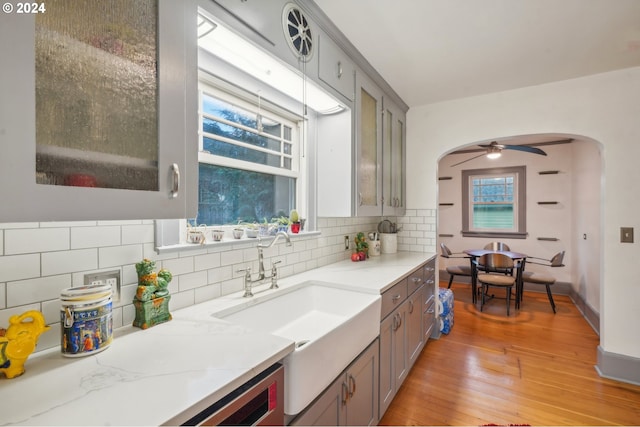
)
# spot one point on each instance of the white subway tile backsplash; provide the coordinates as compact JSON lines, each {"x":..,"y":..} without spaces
{"x":95,"y":237}
{"x":118,"y":255}
{"x":220,"y":274}
{"x":178,"y":266}
{"x":182,"y":300}
{"x":33,"y":279}
{"x":18,"y":267}
{"x":231,"y":286}
{"x":32,"y":240}
{"x":143,"y":233}
{"x":206,"y":293}
{"x":51,"y":310}
{"x":35,"y":290}
{"x":69,"y":261}
{"x":3,"y":294}
{"x":192,"y":280}
{"x":205,"y":262}
{"x":232,"y":257}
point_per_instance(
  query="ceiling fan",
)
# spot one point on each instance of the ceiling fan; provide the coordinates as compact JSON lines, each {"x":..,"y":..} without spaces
{"x":494,"y":150}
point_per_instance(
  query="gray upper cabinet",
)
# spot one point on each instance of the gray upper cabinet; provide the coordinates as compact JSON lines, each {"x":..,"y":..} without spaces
{"x":368,"y":193}
{"x":393,"y":160}
{"x":335,"y":68}
{"x":99,"y":121}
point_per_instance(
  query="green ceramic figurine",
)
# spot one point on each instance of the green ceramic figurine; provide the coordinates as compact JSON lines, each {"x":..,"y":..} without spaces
{"x":152,"y":295}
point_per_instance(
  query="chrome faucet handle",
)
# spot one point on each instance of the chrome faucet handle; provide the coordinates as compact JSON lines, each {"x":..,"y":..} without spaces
{"x":247,"y":281}
{"x":274,"y":275}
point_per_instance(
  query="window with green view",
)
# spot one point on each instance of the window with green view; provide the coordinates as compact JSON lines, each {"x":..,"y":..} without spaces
{"x":494,"y":202}
{"x":249,"y":167}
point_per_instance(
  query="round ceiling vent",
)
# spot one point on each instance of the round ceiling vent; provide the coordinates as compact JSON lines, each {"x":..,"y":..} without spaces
{"x":297,"y":31}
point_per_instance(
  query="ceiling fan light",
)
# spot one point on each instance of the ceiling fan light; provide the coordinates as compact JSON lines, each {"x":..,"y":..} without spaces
{"x":494,"y":152}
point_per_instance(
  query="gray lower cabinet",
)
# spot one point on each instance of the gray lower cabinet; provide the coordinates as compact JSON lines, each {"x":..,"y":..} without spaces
{"x":352,"y":399}
{"x":414,"y":335}
{"x":407,"y":323}
{"x":393,"y":360}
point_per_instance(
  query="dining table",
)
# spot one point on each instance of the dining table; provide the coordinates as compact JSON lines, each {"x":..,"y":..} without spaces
{"x":474,"y":254}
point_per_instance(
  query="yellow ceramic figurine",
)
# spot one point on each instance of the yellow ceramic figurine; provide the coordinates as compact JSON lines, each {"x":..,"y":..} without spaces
{"x":19,"y":341}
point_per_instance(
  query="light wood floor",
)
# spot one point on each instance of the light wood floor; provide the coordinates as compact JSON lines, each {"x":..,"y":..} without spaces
{"x":533,"y":367}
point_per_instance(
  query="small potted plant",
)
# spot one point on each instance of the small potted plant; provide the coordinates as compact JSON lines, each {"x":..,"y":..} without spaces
{"x":281,"y":223}
{"x":250,"y":229}
{"x":362,"y":248}
{"x":294,"y":218}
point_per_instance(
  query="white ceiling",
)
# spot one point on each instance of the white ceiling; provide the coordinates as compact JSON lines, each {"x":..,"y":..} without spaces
{"x":436,"y":50}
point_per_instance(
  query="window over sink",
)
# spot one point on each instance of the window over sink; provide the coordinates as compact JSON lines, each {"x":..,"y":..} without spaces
{"x":249,"y":162}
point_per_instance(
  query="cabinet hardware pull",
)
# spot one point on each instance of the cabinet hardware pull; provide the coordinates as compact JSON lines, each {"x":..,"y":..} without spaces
{"x":395,"y":297}
{"x":176,"y":181}
{"x":410,"y":307}
{"x":431,"y":311}
{"x":345,"y":393}
{"x":416,"y":280}
{"x":339,"y":74}
{"x":352,"y":390}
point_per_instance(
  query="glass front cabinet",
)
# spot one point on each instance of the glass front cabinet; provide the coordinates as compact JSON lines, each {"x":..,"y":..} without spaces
{"x":98,"y":116}
{"x":368,"y":148}
{"x":393,"y":160}
{"x":380,"y":152}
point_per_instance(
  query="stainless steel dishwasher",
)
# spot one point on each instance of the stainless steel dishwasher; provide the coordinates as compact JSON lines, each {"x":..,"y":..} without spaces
{"x":259,"y":401}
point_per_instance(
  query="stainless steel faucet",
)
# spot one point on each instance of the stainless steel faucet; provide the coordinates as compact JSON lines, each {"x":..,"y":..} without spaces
{"x":248,"y":281}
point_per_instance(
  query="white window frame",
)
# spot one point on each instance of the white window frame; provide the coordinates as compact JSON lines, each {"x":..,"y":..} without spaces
{"x":209,"y":158}
{"x":519,"y":203}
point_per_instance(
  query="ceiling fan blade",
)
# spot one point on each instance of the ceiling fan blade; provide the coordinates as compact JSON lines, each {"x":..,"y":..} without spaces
{"x":464,"y":161}
{"x":526,"y":148}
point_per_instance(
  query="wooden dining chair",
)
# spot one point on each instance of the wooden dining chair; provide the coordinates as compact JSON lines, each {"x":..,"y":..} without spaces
{"x":543,"y":279}
{"x":455,"y":270}
{"x":496,"y":263}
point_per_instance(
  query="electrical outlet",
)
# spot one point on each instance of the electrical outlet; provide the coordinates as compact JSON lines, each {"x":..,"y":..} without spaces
{"x":626,"y":234}
{"x":111,"y":278}
{"x":346,"y":243}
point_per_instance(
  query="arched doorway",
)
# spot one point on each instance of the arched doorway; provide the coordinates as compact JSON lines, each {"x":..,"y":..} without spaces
{"x":563,"y":208}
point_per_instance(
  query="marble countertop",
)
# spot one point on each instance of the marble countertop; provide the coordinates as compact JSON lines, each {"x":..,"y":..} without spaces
{"x":150,"y":377}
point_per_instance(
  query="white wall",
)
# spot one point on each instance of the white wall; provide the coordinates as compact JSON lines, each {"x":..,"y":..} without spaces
{"x":586,"y":223}
{"x":603,"y":107}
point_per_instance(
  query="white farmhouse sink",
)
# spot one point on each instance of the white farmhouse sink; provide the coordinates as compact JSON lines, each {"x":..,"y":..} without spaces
{"x":330,"y":326}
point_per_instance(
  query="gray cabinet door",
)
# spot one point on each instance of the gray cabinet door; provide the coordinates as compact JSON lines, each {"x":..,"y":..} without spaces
{"x":63,"y":195}
{"x":368,"y":147}
{"x":362,"y":385}
{"x":326,"y":410}
{"x":387,"y":389}
{"x":400,"y":350}
{"x":335,"y":68}
{"x":415,"y":335}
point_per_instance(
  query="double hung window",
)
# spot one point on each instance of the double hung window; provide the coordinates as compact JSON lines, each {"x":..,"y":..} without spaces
{"x":249,"y":166}
{"x":494,"y":202}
